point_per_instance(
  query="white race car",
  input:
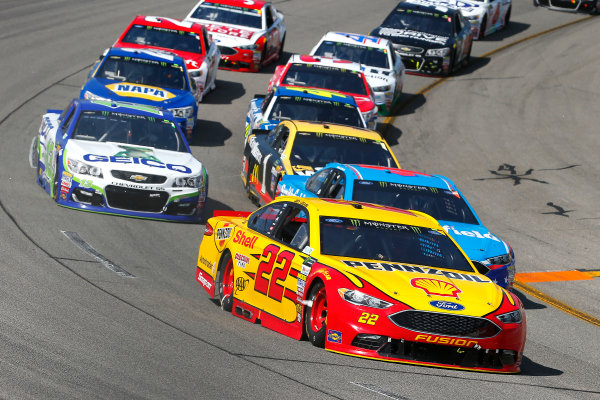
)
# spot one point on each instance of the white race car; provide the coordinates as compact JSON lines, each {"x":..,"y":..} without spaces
{"x":119,"y":158}
{"x":382,"y":67}
{"x":250,"y":33}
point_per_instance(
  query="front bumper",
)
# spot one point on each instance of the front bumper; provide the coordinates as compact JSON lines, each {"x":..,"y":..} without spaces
{"x":570,"y":5}
{"x":426,"y":65}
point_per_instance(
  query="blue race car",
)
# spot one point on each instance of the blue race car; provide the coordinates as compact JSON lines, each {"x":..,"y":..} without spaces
{"x":148,"y":77}
{"x":119,"y":158}
{"x":435,"y":195}
{"x":304,"y":104}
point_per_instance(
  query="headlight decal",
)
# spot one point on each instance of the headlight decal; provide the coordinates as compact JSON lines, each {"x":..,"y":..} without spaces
{"x":361,"y":299}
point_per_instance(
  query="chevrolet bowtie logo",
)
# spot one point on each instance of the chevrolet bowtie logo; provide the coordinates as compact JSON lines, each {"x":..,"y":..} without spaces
{"x":138,"y":178}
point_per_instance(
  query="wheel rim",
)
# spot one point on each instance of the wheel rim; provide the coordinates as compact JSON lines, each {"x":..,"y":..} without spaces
{"x":228,"y":279}
{"x":318,"y":312}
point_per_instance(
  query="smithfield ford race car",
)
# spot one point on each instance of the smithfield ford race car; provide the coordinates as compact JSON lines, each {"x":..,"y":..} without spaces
{"x":300,"y":147}
{"x":435,"y":195}
{"x":342,"y":76}
{"x":382,"y":67}
{"x":431,"y":39}
{"x":250,"y":33}
{"x":186,"y":39}
{"x":363,"y":280}
{"x":147,"y":77}
{"x":305,"y":104}
{"x":591,"y":6}
{"x":119,"y":158}
{"x":485,"y":16}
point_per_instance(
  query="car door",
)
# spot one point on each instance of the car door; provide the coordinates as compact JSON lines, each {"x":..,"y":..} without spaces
{"x":270,"y":254}
{"x":52,"y":142}
{"x":212,"y":58}
{"x":398,"y":69}
{"x":273,"y":30}
{"x":461,"y":35}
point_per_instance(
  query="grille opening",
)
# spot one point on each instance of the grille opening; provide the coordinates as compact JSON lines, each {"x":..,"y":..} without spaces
{"x":136,"y":199}
{"x":445,"y":324}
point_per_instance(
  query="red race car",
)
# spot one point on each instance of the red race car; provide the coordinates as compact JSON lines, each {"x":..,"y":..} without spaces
{"x":341,"y":76}
{"x":250,"y":33}
{"x":188,"y":40}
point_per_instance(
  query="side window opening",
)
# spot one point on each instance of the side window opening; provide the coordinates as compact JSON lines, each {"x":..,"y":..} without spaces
{"x":293,"y":230}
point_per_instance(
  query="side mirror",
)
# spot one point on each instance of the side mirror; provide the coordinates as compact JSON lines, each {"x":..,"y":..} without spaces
{"x":480,"y":267}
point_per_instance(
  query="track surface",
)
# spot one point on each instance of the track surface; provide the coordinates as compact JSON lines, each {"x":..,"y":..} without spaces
{"x":517,"y":131}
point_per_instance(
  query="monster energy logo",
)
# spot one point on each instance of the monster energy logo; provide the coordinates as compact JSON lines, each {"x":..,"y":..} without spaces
{"x":129,"y":151}
{"x":105,"y":113}
{"x":355,"y":222}
{"x":127,"y":58}
{"x":319,"y":134}
{"x":434,"y":190}
{"x":416,"y":229}
{"x":163,"y":64}
{"x":383,"y":184}
{"x":362,"y":139}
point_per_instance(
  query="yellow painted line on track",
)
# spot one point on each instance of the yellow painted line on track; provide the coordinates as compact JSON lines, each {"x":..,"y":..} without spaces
{"x":525,"y":288}
{"x":388,"y":121}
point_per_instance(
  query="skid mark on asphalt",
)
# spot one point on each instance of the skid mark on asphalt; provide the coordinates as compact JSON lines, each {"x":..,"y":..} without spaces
{"x":83,"y":245}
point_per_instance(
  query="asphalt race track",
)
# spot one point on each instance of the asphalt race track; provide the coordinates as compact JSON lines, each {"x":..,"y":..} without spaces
{"x":517,"y":131}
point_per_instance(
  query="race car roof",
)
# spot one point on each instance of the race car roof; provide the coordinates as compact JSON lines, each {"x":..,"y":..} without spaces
{"x":118,"y":106}
{"x":356,"y":209}
{"x":393,"y":175}
{"x":334,"y":129}
{"x":326,"y":61}
{"x":425,"y":7}
{"x":357,"y":39}
{"x":322,"y":94}
{"x":169,"y":23}
{"x":253,"y":5}
{"x":146,"y":54}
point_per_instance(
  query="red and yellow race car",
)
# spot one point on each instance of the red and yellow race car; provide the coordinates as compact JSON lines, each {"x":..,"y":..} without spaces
{"x":363,"y":280}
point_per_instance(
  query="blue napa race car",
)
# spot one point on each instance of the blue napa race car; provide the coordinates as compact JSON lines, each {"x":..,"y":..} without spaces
{"x":435,"y":195}
{"x":119,"y":158}
{"x":148,"y":77}
{"x":304,"y":104}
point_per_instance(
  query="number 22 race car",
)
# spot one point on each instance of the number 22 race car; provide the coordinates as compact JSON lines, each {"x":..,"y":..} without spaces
{"x":364,"y":280}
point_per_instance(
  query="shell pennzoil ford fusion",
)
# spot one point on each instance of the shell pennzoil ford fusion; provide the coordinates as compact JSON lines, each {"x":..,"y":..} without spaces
{"x":117,"y":158}
{"x":383,"y":69}
{"x":305,"y":104}
{"x":363,"y":280}
{"x":431,"y":39}
{"x":148,"y":77}
{"x":186,"y":39}
{"x":250,"y":33}
{"x":300,"y":147}
{"x":434,"y":195}
{"x":342,"y":76}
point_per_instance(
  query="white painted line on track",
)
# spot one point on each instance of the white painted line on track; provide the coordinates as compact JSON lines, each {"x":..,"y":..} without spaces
{"x":378,"y":390}
{"x":83,"y":245}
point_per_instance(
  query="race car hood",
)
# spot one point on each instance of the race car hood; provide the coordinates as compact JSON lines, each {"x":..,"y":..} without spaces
{"x":377,"y":76}
{"x":232,"y":35}
{"x":468,"y":8}
{"x":407,"y":38}
{"x":365,"y":104}
{"x":138,"y":93}
{"x":424,"y":288}
{"x":293,"y":185}
{"x":132,"y":158}
{"x":476,"y":240}
{"x":192,"y":60}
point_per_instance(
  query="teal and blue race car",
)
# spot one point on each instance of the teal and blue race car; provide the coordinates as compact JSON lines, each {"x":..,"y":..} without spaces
{"x":148,"y":77}
{"x":435,"y":195}
{"x":303,"y":104}
{"x":119,"y":158}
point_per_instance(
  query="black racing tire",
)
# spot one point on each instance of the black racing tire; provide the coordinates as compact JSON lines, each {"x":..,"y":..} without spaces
{"x":315,"y":315}
{"x":507,"y":18}
{"x":482,"y":27}
{"x":467,"y":60}
{"x":225,"y":282}
{"x":536,"y":3}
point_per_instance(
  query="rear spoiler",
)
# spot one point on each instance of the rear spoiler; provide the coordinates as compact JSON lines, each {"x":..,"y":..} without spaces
{"x":231,"y":213}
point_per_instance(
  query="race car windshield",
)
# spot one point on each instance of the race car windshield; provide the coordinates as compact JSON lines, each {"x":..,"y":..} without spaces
{"x":385,"y":241}
{"x":142,"y":71}
{"x":438,"y":24}
{"x":131,"y":129}
{"x":441,"y":204}
{"x":307,"y":109}
{"x":323,"y":77}
{"x":229,"y":15}
{"x":161,"y":37}
{"x":317,"y":149}
{"x":370,"y":56}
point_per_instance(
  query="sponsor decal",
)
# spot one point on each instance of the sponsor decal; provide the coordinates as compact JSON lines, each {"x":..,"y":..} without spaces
{"x":389,"y":267}
{"x":129,"y":185}
{"x":453,"y":231}
{"x":334,"y":336}
{"x":224,"y":233}
{"x":135,"y":160}
{"x":205,"y":262}
{"x":446,"y":340}
{"x":300,"y":287}
{"x":334,"y":220}
{"x":138,"y":178}
{"x":241,"y":260}
{"x":203,"y":281}
{"x":436,"y":287}
{"x":230,"y":31}
{"x":407,"y":33}
{"x":447,"y":305}
{"x":240,"y":284}
{"x":254,"y":150}
{"x":246,"y":241}
{"x":140,"y":91}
